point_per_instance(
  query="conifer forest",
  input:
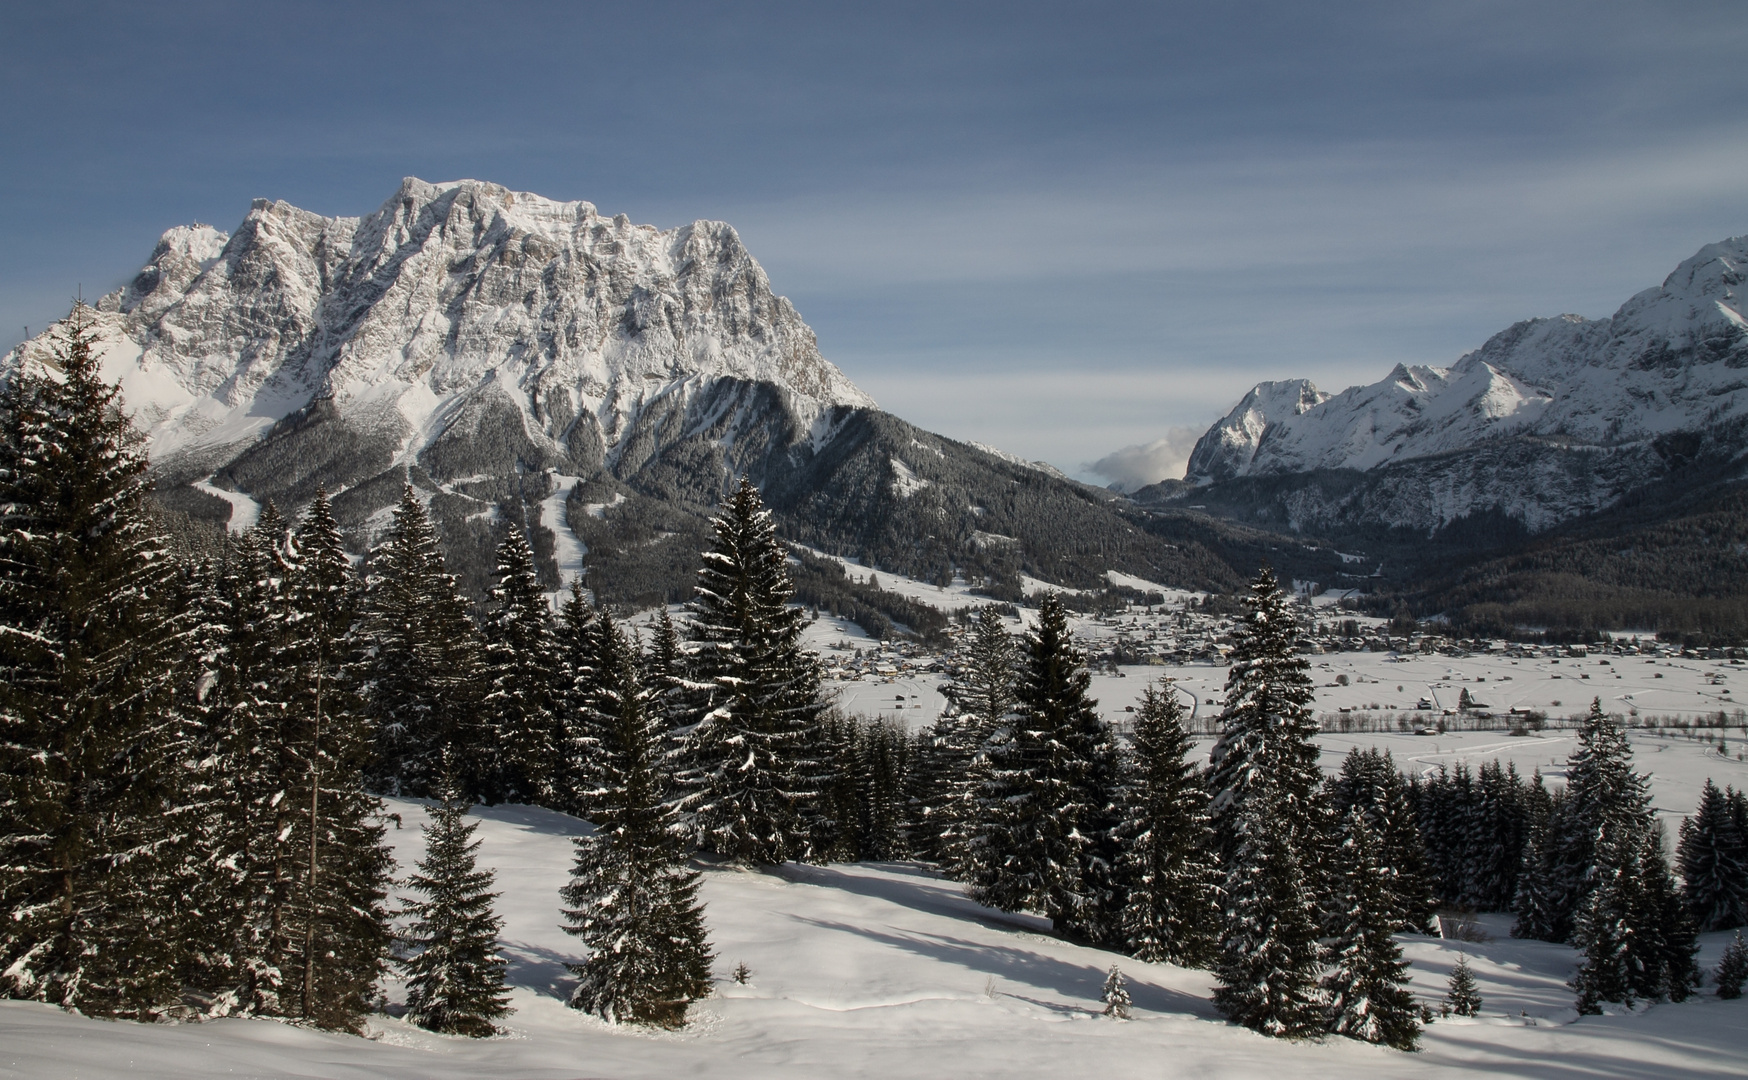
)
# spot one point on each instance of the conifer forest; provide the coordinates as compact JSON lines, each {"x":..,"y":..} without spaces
{"x":197,"y":748}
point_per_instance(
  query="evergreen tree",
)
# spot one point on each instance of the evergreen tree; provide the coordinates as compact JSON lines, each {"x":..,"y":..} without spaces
{"x":1167,"y":868}
{"x":1462,"y":996}
{"x":1539,"y":881}
{"x":982,"y":693}
{"x":1605,"y":800}
{"x":1047,"y":804}
{"x":1368,"y":996}
{"x":1265,"y":745}
{"x":94,"y":816}
{"x":574,"y":682}
{"x":336,"y":930}
{"x":1270,"y":956}
{"x":755,"y":769}
{"x":632,"y":899}
{"x":881,"y":766}
{"x":1732,"y":969}
{"x":1713,"y":857}
{"x":521,"y":674}
{"x":455,"y":977}
{"x":1116,"y":995}
{"x":425,"y":680}
{"x":1266,"y":783}
{"x":1370,"y":781}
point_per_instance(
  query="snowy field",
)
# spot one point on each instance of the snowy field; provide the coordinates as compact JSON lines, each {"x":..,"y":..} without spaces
{"x":887,"y":971}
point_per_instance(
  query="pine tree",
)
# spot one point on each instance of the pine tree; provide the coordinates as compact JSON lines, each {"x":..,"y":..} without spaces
{"x":1713,"y":857}
{"x":1370,"y":781}
{"x":455,"y":977}
{"x":632,"y":898}
{"x":1732,"y":969}
{"x":1267,"y":725}
{"x":574,"y":685}
{"x":338,"y":926}
{"x":1368,"y":996}
{"x":1539,"y":885}
{"x":1167,"y":867}
{"x":425,"y":676}
{"x":1462,"y":996}
{"x":1270,"y":956}
{"x":1607,"y":930}
{"x":982,"y":694}
{"x":521,"y":676}
{"x":1047,"y":805}
{"x":1116,"y":995}
{"x":1265,"y":782}
{"x":755,"y":769}
{"x":1605,"y":798}
{"x":94,"y":817}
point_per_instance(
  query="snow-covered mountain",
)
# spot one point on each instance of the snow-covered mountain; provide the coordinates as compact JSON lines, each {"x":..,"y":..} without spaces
{"x":1549,"y":419}
{"x":458,"y":316}
{"x":520,"y":359}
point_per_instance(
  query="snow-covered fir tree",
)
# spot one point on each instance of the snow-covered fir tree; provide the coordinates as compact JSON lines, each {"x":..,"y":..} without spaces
{"x":1167,"y":867}
{"x":1462,"y":995}
{"x":337,"y":925}
{"x":1539,"y":881}
{"x":1046,"y":807}
{"x":95,"y":818}
{"x":1605,"y":797}
{"x":521,"y":676}
{"x":574,"y":681}
{"x":754,"y":770}
{"x":1367,"y":987}
{"x":1732,"y":969}
{"x":1633,"y":933}
{"x":1370,"y":781}
{"x":1713,"y":858}
{"x":632,"y":898}
{"x":1270,"y":955}
{"x":1265,"y":783}
{"x":982,"y":695}
{"x":1265,"y":745}
{"x":1116,"y":995}
{"x":425,"y":676}
{"x":455,"y":976}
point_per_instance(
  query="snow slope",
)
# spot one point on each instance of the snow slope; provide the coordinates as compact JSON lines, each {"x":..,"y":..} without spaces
{"x":884,"y":970}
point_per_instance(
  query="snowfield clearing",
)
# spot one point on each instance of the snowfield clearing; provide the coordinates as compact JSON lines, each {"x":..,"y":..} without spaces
{"x":885,"y":970}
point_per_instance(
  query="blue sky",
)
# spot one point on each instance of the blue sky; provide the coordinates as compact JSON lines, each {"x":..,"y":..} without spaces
{"x":1062,"y":229}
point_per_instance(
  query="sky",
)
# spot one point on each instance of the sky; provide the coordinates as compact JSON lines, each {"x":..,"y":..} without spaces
{"x":1078,"y":232}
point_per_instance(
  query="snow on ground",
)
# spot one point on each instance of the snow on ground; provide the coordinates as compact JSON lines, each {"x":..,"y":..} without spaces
{"x":885,"y":970}
{"x":245,"y":511}
{"x":568,"y":548}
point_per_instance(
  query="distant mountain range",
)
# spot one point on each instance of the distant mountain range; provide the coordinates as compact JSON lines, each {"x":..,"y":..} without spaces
{"x":1584,"y":453}
{"x":520,"y":359}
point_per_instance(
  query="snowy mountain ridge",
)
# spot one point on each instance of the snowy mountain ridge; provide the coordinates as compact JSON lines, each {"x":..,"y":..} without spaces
{"x":448,"y":296}
{"x":1549,"y":418}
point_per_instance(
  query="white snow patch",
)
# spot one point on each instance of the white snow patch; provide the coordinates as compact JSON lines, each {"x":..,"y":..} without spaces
{"x":568,"y":548}
{"x":245,"y":511}
{"x":906,"y":483}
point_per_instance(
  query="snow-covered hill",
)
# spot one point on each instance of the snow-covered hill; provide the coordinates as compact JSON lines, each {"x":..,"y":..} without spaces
{"x":1548,"y":419}
{"x":884,"y":970}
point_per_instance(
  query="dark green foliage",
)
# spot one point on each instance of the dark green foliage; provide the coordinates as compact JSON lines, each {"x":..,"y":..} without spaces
{"x":1265,"y":745}
{"x":1635,"y":937}
{"x":1475,"y":826}
{"x":577,"y":669}
{"x":632,"y":899}
{"x":1046,"y":805}
{"x":982,"y":696}
{"x":1462,"y":997}
{"x":1369,"y":781}
{"x":95,"y":817}
{"x":1265,"y":782}
{"x":1713,"y":858}
{"x":822,"y":584}
{"x":1167,"y":867}
{"x":1270,"y":957}
{"x":522,"y":682}
{"x":1732,"y":968}
{"x":1367,"y":984}
{"x":455,"y":977}
{"x":1540,"y":885}
{"x":754,"y":769}
{"x":425,"y":684}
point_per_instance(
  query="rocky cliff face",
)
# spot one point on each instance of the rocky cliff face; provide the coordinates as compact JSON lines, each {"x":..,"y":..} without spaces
{"x":465,"y":330}
{"x":1550,"y":419}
